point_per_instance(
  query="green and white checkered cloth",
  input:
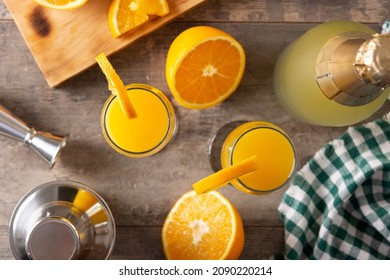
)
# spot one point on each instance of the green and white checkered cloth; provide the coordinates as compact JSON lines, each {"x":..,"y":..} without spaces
{"x":338,"y":205}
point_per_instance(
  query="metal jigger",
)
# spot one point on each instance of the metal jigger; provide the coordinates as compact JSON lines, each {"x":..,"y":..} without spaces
{"x":45,"y":144}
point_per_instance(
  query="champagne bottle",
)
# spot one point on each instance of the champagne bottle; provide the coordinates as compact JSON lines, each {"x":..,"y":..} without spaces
{"x":336,"y":74}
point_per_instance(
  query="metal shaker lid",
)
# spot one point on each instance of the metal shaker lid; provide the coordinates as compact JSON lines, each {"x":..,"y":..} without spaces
{"x":53,"y":239}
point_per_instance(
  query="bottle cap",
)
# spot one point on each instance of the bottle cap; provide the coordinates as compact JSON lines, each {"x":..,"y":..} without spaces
{"x":373,"y":60}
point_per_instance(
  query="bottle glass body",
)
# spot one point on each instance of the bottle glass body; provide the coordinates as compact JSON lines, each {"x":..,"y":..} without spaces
{"x":296,"y":86}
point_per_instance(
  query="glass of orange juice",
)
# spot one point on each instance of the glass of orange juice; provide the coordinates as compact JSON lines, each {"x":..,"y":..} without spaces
{"x":274,"y":149}
{"x":149,"y":132}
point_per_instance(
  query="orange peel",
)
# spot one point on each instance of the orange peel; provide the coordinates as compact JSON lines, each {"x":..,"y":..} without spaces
{"x":116,"y":86}
{"x":225,"y":175}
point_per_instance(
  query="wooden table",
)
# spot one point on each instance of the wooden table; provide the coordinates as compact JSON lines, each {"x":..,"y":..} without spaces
{"x":140,"y":192}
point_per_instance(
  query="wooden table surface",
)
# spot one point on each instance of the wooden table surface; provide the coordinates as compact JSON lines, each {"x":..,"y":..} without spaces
{"x":140,"y":192}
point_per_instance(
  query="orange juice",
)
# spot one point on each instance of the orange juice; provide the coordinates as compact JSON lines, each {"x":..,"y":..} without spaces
{"x":91,"y":206}
{"x":274,"y":150}
{"x":149,"y":132}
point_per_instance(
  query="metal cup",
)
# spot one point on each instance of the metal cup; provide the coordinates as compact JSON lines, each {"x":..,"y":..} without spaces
{"x":45,"y":144}
{"x":62,"y":220}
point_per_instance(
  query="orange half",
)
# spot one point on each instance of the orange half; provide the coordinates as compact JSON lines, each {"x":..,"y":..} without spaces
{"x":204,"y":67}
{"x":203,"y":227}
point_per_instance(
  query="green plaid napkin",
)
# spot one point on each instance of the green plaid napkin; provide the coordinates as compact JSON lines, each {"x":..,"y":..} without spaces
{"x":338,"y":205}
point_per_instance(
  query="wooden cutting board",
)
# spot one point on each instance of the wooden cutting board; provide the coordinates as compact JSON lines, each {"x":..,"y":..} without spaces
{"x":64,"y":43}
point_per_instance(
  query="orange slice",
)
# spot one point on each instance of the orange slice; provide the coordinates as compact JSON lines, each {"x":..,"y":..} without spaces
{"x":116,"y":86}
{"x":225,"y":175}
{"x":154,"y":7}
{"x":61,"y":4}
{"x":125,"y":15}
{"x":203,"y":227}
{"x":204,"y":67}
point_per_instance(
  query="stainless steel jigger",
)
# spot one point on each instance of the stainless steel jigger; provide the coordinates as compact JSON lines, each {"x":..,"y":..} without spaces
{"x":45,"y":144}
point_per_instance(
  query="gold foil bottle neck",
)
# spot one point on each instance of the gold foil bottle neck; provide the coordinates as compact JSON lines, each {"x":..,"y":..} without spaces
{"x":353,"y":68}
{"x":373,"y":60}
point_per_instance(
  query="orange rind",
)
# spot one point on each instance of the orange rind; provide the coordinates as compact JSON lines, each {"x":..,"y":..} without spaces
{"x":116,"y":86}
{"x":225,"y":175}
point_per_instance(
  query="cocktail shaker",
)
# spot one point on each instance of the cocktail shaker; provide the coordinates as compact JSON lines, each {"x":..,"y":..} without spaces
{"x":45,"y":144}
{"x":62,"y":220}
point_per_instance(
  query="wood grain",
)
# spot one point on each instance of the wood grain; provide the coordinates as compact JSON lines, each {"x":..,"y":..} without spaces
{"x":274,"y":11}
{"x":140,"y":192}
{"x":64,"y":43}
{"x":295,"y":11}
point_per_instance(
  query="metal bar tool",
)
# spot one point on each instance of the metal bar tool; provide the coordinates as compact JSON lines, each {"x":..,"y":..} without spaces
{"x":45,"y":144}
